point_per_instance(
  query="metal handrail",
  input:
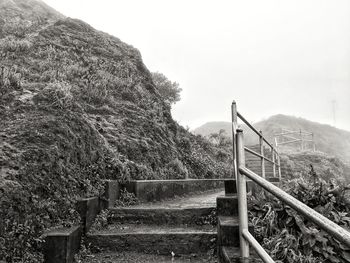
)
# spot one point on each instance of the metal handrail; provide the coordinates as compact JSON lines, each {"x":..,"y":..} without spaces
{"x":259,"y":155}
{"x":302,"y":134}
{"x":262,"y":139}
{"x":255,"y":130}
{"x":246,"y":238}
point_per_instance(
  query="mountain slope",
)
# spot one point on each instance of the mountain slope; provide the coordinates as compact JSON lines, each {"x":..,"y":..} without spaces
{"x":328,"y":139}
{"x":77,"y":106}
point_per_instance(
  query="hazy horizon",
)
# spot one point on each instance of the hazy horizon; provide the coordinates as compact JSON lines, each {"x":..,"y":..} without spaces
{"x":272,"y":57}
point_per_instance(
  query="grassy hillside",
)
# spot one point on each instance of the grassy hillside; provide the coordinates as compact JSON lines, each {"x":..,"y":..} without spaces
{"x":328,"y":139}
{"x":296,"y":164}
{"x":77,"y":106}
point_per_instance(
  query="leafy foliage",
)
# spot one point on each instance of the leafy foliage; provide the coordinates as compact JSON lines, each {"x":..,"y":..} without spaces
{"x":288,"y":236}
{"x":126,"y":199}
{"x":169,"y":90}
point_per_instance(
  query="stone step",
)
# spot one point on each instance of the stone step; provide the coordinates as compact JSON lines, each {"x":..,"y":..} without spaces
{"x":154,"y":239}
{"x":231,"y":254}
{"x":227,"y":205}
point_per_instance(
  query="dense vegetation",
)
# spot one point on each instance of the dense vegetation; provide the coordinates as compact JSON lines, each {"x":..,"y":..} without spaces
{"x":77,"y":106}
{"x":288,"y":236}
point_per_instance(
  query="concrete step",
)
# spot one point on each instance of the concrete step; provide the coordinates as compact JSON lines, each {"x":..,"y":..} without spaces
{"x":227,"y":205}
{"x":158,"y":190}
{"x":161,"y":215}
{"x":228,"y":231}
{"x":154,"y":239}
{"x":230,"y":187}
{"x":136,"y":257}
{"x":231,"y":254}
{"x":191,"y":210}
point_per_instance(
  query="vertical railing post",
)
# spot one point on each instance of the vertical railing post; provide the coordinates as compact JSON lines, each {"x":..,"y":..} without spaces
{"x":261,"y":141}
{"x":276,"y":143}
{"x":301,"y":141}
{"x":274,"y":162}
{"x":313,"y":142}
{"x":279,"y":168}
{"x":242,"y":195}
{"x":234,"y":128}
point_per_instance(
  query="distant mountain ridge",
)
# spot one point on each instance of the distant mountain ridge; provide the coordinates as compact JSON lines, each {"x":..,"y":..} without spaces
{"x":328,"y":139}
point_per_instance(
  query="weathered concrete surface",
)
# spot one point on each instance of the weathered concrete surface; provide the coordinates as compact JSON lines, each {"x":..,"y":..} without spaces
{"x":156,"y":190}
{"x":230,"y":187}
{"x":136,"y":257}
{"x":62,"y":244}
{"x":229,"y":254}
{"x":170,"y":216}
{"x":88,"y":209}
{"x":112,"y":193}
{"x":155,"y":239}
{"x":179,"y":211}
{"x":227,"y":205}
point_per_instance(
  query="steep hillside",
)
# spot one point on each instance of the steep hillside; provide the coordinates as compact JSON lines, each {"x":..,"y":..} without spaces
{"x":328,"y":139}
{"x":76,"y":106}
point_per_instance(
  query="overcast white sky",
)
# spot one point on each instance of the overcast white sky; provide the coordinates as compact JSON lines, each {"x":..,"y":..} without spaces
{"x":271,"y":56}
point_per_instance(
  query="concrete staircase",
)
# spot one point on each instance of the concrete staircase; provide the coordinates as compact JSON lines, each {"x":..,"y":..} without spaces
{"x":199,"y":228}
{"x":228,"y":227}
{"x":180,"y":227}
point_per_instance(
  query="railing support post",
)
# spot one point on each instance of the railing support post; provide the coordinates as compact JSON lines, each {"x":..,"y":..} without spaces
{"x":279,"y":168}
{"x":242,"y":195}
{"x":234,"y":128}
{"x":261,"y":141}
{"x":274,"y":162}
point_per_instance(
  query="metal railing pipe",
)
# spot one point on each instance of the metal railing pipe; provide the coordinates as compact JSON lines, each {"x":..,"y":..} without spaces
{"x":274,"y":164}
{"x":255,"y":130}
{"x":261,"y":141}
{"x":257,"y":247}
{"x":297,"y":140}
{"x":248,"y":124}
{"x":234,"y":129}
{"x":242,"y":195}
{"x":327,"y":225}
{"x":259,"y":155}
{"x":279,"y":168}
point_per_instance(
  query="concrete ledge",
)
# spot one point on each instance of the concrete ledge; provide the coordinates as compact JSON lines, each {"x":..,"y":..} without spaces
{"x":88,"y":209}
{"x":227,"y":205}
{"x":62,"y":244}
{"x":155,"y":190}
{"x":112,"y":192}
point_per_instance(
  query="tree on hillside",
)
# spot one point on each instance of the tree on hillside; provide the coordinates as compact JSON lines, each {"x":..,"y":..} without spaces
{"x":169,"y":90}
{"x":220,"y":138}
